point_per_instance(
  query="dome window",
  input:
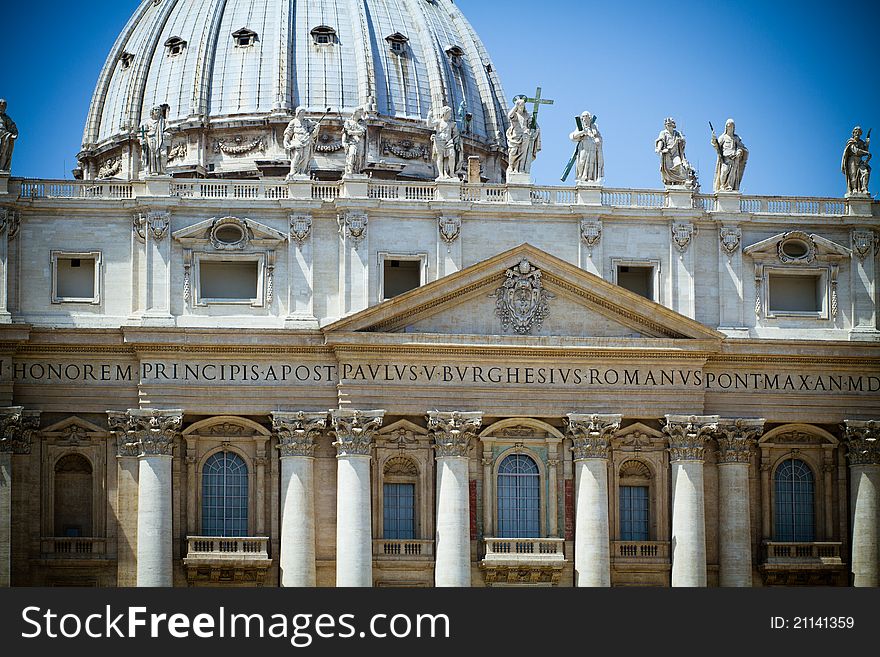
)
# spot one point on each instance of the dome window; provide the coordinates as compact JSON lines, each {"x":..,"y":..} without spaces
{"x":175,"y":46}
{"x":125,"y":60}
{"x":244,"y":38}
{"x":324,"y":35}
{"x":455,"y":55}
{"x":398,"y":42}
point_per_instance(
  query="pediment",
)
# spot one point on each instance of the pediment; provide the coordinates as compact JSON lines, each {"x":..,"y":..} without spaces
{"x":75,"y":430}
{"x":639,"y":435}
{"x":221,"y":232}
{"x":808,"y":248}
{"x":525,"y":292}
{"x":401,"y":433}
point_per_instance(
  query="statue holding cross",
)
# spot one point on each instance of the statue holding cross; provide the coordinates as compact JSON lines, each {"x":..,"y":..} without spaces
{"x":524,"y":134}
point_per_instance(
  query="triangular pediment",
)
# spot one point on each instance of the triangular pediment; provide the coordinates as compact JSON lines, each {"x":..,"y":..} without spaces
{"x":73,"y":424}
{"x":525,"y":292}
{"x":211,"y":231}
{"x":797,"y":246}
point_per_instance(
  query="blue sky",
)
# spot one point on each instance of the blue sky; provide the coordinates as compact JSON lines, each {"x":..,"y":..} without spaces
{"x":795,"y":75}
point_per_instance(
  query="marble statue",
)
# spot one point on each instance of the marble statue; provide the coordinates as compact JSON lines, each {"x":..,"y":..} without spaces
{"x":154,"y":142}
{"x":674,"y":167}
{"x":590,"y":160}
{"x":523,"y":140}
{"x":299,"y":141}
{"x":447,"y":143}
{"x":855,"y":162}
{"x":8,"y":135}
{"x":732,"y":158}
{"x":354,"y":140}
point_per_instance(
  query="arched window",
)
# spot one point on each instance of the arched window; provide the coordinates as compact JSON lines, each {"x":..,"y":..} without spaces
{"x":73,"y":496}
{"x":795,"y":489}
{"x":635,"y":495}
{"x":225,"y":495}
{"x":519,"y":498}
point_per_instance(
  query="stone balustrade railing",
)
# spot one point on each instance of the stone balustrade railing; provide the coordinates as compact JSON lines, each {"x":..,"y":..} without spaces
{"x":73,"y":548}
{"x":792,"y":552}
{"x":394,"y":191}
{"x":245,"y":548}
{"x":402,"y":548}
{"x":525,"y":549}
{"x":640,"y":550}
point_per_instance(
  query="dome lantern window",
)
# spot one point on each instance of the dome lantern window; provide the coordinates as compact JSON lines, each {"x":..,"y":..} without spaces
{"x":244,"y":38}
{"x":175,"y":46}
{"x":398,"y":42}
{"x":324,"y":35}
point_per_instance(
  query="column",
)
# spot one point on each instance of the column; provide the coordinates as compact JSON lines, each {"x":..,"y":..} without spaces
{"x":591,"y":437}
{"x":154,"y":431}
{"x":452,"y":433}
{"x":735,"y":441}
{"x":863,"y":440}
{"x":297,"y":435}
{"x":687,"y":436}
{"x":354,"y":532}
{"x":17,"y":428}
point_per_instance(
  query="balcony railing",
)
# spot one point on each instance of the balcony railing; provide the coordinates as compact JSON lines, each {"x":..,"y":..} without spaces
{"x":403,"y":549}
{"x":412,"y":192}
{"x":640,"y":551}
{"x":73,"y":548}
{"x":792,"y":554}
{"x":205,"y":549}
{"x":524,"y":549}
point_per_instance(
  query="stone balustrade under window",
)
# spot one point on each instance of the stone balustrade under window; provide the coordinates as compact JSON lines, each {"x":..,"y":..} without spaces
{"x":790,"y":553}
{"x":233,"y":550}
{"x":410,"y":192}
{"x":640,"y":551}
{"x":406,"y":549}
{"x":73,"y":548}
{"x":524,"y":549}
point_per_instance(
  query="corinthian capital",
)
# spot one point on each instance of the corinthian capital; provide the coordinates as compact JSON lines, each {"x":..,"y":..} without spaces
{"x":355,"y":430}
{"x":452,"y":432}
{"x":17,"y":429}
{"x":863,"y":440}
{"x":735,"y":438}
{"x":145,"y":432}
{"x":591,"y":434}
{"x":687,"y":435}
{"x":298,"y":433}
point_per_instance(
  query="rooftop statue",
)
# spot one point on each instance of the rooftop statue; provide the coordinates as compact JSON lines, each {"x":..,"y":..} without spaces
{"x":8,"y":135}
{"x":589,"y":156}
{"x":447,"y":143}
{"x":523,"y":140}
{"x":154,"y":142}
{"x":354,"y":140}
{"x":674,"y":166}
{"x":732,"y":158}
{"x":855,"y":162}
{"x":299,"y":141}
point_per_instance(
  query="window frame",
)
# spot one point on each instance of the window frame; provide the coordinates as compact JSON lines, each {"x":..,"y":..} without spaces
{"x":653,"y":264}
{"x":774,"y":506}
{"x":825,"y":276}
{"x":251,"y":489}
{"x":384,"y":256}
{"x":175,"y":46}
{"x":205,"y":256}
{"x":398,"y":480}
{"x":542,"y":490}
{"x":56,"y":255}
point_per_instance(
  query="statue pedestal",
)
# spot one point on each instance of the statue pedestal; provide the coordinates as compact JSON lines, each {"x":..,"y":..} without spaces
{"x":299,"y":187}
{"x":448,"y":189}
{"x":589,"y":193}
{"x":680,"y":197}
{"x":355,"y":185}
{"x":519,"y":187}
{"x":475,"y":170}
{"x":4,"y":183}
{"x":728,"y":201}
{"x":859,"y":205}
{"x":158,"y":185}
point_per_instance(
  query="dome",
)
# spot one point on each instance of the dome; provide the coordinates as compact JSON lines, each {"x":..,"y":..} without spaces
{"x":231,"y":73}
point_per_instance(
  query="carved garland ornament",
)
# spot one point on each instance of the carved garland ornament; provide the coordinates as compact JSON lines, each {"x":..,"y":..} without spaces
{"x":297,"y":433}
{"x":406,"y":149}
{"x":522,"y":303}
{"x":688,"y":434}
{"x":591,"y":434}
{"x":239,"y":145}
{"x":178,"y":152}
{"x":452,"y":432}
{"x":355,"y":430}
{"x":327,"y":144}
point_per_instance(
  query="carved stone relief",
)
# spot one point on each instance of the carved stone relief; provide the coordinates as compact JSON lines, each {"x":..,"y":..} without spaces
{"x":731,"y":238}
{"x":450,"y":230}
{"x":300,"y":228}
{"x":521,"y":302}
{"x":591,"y":233}
{"x":406,"y":149}
{"x":353,"y":226}
{"x":240,"y":145}
{"x":682,"y":234}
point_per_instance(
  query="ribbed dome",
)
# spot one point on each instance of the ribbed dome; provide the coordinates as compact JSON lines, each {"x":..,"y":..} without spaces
{"x":232,"y":71}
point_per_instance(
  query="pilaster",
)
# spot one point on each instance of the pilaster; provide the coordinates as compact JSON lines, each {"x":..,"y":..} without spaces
{"x":730,"y":277}
{"x":153,"y":228}
{"x":590,"y":249}
{"x":300,"y":268}
{"x":354,"y":266}
{"x":682,"y":261}
{"x":8,"y":223}
{"x":17,"y":429}
{"x":864,"y":281}
{"x":448,"y":245}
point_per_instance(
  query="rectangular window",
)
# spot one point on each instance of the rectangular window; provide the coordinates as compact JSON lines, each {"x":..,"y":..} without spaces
{"x":399,"y":513}
{"x":228,"y":281}
{"x":637,"y":279}
{"x":798,"y":293}
{"x":400,"y":274}
{"x":76,"y":277}
{"x":634,"y":513}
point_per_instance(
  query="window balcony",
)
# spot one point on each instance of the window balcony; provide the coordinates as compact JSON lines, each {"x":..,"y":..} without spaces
{"x":215,"y":560}
{"x":523,"y":561}
{"x":806,"y":563}
{"x":393,"y":549}
{"x":640,"y":552}
{"x":71,"y":552}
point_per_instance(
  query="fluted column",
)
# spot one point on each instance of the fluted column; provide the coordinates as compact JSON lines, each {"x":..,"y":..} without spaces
{"x":687,"y":436}
{"x":17,"y":428}
{"x":591,"y":437}
{"x":863,"y":440}
{"x":153,"y":432}
{"x":354,"y":532}
{"x":735,"y":439}
{"x":297,"y":435}
{"x":452,"y":433}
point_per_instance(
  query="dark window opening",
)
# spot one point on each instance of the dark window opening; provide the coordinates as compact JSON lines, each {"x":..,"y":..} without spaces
{"x":75,"y":278}
{"x":401,"y":276}
{"x":795,"y":293}
{"x":639,"y":280}
{"x":324,"y":35}
{"x":244,"y":38}
{"x":175,"y":46}
{"x":230,"y":281}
